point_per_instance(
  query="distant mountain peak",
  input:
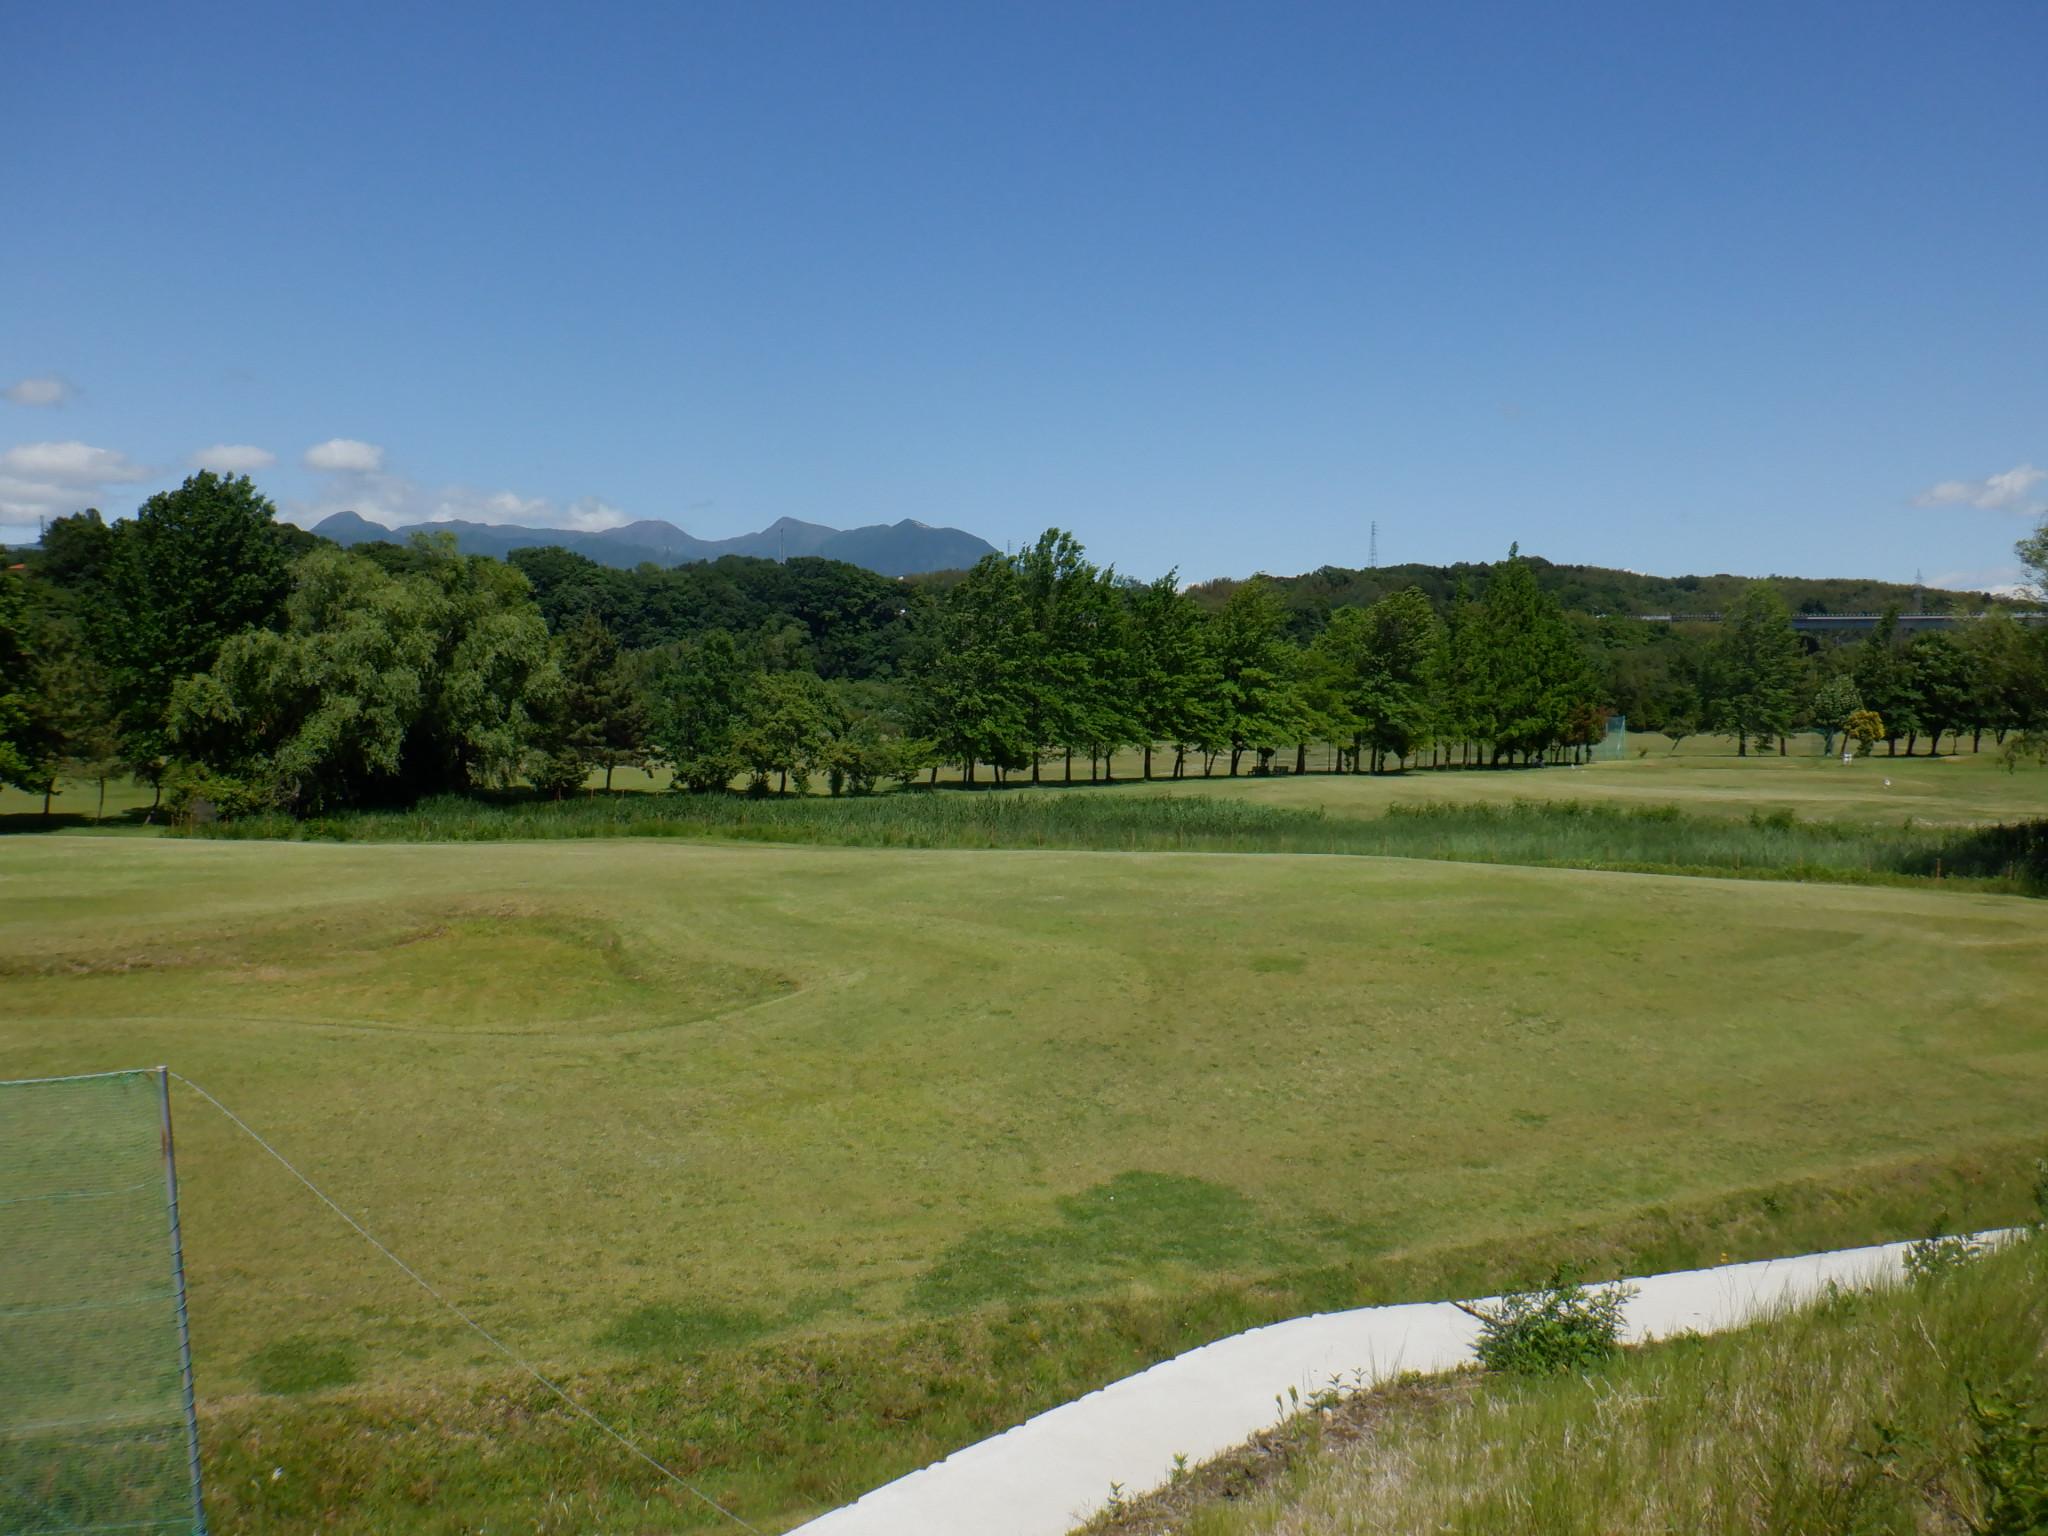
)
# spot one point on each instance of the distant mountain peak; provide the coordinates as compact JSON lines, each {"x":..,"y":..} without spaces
{"x":906,"y":548}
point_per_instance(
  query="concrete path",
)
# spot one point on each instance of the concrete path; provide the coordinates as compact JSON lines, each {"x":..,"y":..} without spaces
{"x":1051,"y":1473}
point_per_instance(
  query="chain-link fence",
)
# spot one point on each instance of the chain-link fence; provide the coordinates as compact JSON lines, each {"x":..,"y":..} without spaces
{"x":96,"y":1426}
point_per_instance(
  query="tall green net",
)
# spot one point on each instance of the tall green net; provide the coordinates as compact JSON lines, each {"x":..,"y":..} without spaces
{"x":1613,"y":747}
{"x":95,"y":1420}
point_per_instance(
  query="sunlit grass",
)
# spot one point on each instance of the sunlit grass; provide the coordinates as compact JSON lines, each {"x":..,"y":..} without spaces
{"x":814,"y":1163}
{"x":1851,"y":1416}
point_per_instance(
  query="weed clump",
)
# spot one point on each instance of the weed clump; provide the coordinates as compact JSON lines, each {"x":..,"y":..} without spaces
{"x":1558,"y":1329}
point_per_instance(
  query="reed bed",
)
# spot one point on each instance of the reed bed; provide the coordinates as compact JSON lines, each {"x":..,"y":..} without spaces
{"x":1654,"y":839}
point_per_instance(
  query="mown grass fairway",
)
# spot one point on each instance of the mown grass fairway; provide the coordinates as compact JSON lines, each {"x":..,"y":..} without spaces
{"x":636,"y":1101}
{"x":1970,"y":788}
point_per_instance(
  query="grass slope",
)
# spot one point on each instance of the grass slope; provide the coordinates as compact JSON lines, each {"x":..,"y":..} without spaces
{"x":1849,"y":1418}
{"x":814,"y":1163}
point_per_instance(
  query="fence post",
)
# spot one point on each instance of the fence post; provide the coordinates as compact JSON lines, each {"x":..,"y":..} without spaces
{"x":163,"y":1084}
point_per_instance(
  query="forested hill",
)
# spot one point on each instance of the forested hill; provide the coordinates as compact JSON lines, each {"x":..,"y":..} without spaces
{"x":854,"y":623}
{"x":1597,"y":589}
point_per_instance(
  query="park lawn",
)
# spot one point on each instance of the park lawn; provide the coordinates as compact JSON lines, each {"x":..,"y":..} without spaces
{"x":75,"y":806}
{"x":1950,"y":790}
{"x":1704,"y":775}
{"x":631,"y":1101}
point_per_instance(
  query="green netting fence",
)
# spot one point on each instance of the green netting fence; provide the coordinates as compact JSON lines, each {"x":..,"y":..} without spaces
{"x":1613,"y":747}
{"x":96,"y":1424}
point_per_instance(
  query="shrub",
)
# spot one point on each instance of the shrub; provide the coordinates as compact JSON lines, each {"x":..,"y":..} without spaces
{"x":196,"y":794}
{"x":1933,"y":1257}
{"x":1561,"y":1327}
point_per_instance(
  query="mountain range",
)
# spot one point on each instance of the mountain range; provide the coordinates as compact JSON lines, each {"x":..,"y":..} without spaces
{"x":893,"y":549}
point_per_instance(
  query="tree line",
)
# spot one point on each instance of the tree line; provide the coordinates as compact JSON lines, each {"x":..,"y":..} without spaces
{"x":218,"y":655}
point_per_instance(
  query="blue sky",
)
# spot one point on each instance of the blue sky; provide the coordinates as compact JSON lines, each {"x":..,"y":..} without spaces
{"x":1721,"y":287}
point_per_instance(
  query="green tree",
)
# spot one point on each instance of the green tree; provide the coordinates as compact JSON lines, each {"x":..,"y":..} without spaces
{"x":1173,"y":675}
{"x":2033,"y":553}
{"x":377,"y":689}
{"x":1834,"y":701}
{"x":2009,"y":684}
{"x":193,"y":567}
{"x":1755,"y":669}
{"x":700,"y":700}
{"x":1462,"y":715}
{"x":1679,"y":724}
{"x":2032,"y":738}
{"x":1384,"y":658}
{"x":31,"y":731}
{"x":604,"y":718}
{"x":1881,"y":678}
{"x":784,"y":730}
{"x":969,"y":696}
{"x":495,"y":683}
{"x":1256,"y":671}
{"x":1052,"y":662}
{"x":1526,"y":672}
{"x":1943,"y":686}
{"x":1107,"y":718}
{"x":862,"y":745}
{"x":77,"y":553}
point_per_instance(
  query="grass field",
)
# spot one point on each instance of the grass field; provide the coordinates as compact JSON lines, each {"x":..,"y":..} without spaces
{"x":813,"y":1163}
{"x":1703,"y":776}
{"x":1878,"y":789}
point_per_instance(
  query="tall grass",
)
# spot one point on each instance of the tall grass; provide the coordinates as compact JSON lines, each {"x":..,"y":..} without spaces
{"x":1852,"y":1416}
{"x":1567,"y":834}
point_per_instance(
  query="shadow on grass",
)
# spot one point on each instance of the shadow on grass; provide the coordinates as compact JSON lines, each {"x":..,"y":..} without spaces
{"x":27,"y":823}
{"x":2018,"y":852}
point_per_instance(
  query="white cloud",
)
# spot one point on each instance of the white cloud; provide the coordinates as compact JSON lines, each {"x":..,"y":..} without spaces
{"x":52,"y":479}
{"x":47,"y":390}
{"x":587,"y":514}
{"x":2006,"y":492}
{"x":345,"y":455}
{"x":233,"y":458}
{"x":397,"y":501}
{"x":23,"y":501}
{"x":1998,"y":580}
{"x":71,"y":463}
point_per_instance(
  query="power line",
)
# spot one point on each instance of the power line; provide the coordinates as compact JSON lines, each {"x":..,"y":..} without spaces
{"x":481,"y":1331}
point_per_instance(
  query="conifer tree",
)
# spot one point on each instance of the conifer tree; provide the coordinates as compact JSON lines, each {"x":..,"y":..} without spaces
{"x":604,"y":713}
{"x":1755,"y":669}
